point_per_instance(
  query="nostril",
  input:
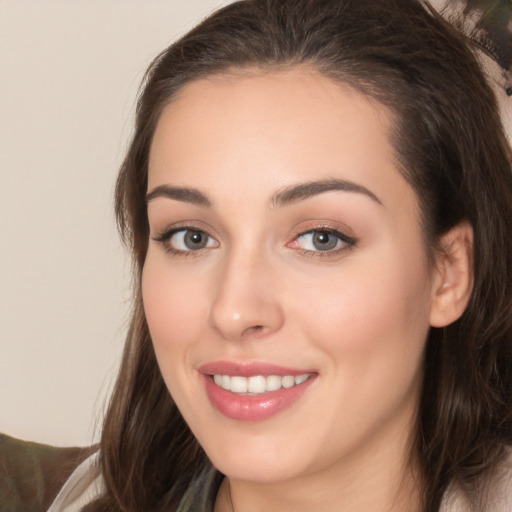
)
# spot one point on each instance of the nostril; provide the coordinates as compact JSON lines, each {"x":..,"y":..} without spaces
{"x":252,"y":329}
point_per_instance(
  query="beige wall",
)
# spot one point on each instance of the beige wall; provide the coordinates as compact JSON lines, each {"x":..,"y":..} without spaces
{"x":69,"y":72}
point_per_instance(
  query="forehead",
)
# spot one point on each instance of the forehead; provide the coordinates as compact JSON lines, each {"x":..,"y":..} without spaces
{"x":271,"y":129}
{"x":256,"y":95}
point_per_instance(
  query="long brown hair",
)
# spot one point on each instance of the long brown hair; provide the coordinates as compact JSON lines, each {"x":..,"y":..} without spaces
{"x":449,"y":144}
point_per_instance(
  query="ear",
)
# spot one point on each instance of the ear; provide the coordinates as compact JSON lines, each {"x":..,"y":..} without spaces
{"x":453,"y":276}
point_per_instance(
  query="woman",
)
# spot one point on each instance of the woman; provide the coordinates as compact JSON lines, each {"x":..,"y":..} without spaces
{"x":316,"y":198}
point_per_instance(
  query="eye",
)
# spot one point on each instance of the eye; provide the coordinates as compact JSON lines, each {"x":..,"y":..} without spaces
{"x":186,"y":240}
{"x":323,"y":240}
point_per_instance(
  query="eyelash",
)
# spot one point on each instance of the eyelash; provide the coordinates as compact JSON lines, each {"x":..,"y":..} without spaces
{"x":347,"y":241}
{"x":165,"y":238}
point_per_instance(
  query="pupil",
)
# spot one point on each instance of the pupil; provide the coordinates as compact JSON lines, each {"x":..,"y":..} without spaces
{"x":324,"y":241}
{"x":195,"y":240}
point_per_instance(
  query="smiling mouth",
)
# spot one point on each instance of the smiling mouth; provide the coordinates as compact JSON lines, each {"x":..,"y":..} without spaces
{"x":253,"y":392}
{"x":258,"y":384}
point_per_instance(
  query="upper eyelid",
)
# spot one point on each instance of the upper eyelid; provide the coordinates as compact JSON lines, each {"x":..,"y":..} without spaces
{"x":350,"y":240}
{"x":186,"y":226}
{"x":165,"y":237}
{"x":327,"y":229}
{"x":335,"y":227}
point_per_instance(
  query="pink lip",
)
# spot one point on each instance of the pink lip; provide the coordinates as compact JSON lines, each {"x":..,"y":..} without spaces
{"x":248,"y":369}
{"x":251,"y":407}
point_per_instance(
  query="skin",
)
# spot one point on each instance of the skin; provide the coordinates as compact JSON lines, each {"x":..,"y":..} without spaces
{"x":357,"y":317}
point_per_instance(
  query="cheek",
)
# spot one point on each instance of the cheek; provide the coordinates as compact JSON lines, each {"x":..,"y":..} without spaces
{"x":371,"y":327}
{"x":372,"y":321}
{"x":171,"y":300}
{"x":173,"y":308}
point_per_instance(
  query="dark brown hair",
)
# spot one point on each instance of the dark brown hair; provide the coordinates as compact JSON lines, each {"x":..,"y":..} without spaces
{"x":450,"y":147}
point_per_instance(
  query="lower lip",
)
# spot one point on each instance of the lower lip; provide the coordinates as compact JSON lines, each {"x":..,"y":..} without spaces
{"x":253,"y":407}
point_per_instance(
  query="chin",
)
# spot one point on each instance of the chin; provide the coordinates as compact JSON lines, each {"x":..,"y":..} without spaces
{"x":261,"y":471}
{"x":256,"y":460}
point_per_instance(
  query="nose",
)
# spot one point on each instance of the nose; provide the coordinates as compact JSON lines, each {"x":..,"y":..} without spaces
{"x":245,"y":303}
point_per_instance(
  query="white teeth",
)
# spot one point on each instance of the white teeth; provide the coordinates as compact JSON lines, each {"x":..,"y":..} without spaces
{"x":258,"y":384}
{"x":238,"y":384}
{"x":301,"y":378}
{"x":288,"y":381}
{"x":273,"y":383}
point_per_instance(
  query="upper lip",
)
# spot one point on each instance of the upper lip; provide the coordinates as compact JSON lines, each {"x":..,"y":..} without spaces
{"x":248,"y":369}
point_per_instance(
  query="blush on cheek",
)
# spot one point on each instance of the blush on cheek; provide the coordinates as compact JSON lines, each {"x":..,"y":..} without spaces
{"x":160,"y":309}
{"x":361,"y":314}
{"x":173,"y":309}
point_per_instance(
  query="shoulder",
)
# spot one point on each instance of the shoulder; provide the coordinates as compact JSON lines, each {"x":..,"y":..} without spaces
{"x":83,"y":486}
{"x":31,"y":474}
{"x":500,"y":491}
{"x":496,"y":496}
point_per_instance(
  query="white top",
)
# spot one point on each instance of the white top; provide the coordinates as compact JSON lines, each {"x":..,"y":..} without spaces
{"x":498,"y":498}
{"x":84,"y":484}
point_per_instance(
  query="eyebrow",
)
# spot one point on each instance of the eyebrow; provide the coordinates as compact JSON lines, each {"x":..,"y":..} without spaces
{"x":185,"y":194}
{"x":310,"y":189}
{"x":284,"y":197}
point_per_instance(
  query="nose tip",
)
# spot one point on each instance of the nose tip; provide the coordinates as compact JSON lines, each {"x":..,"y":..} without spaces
{"x":239,"y":325}
{"x":244,"y":307}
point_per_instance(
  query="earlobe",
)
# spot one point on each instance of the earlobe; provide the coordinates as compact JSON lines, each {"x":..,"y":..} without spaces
{"x":453,"y":277}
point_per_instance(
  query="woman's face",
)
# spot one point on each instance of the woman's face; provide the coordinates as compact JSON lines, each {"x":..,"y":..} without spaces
{"x":286,"y":264}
